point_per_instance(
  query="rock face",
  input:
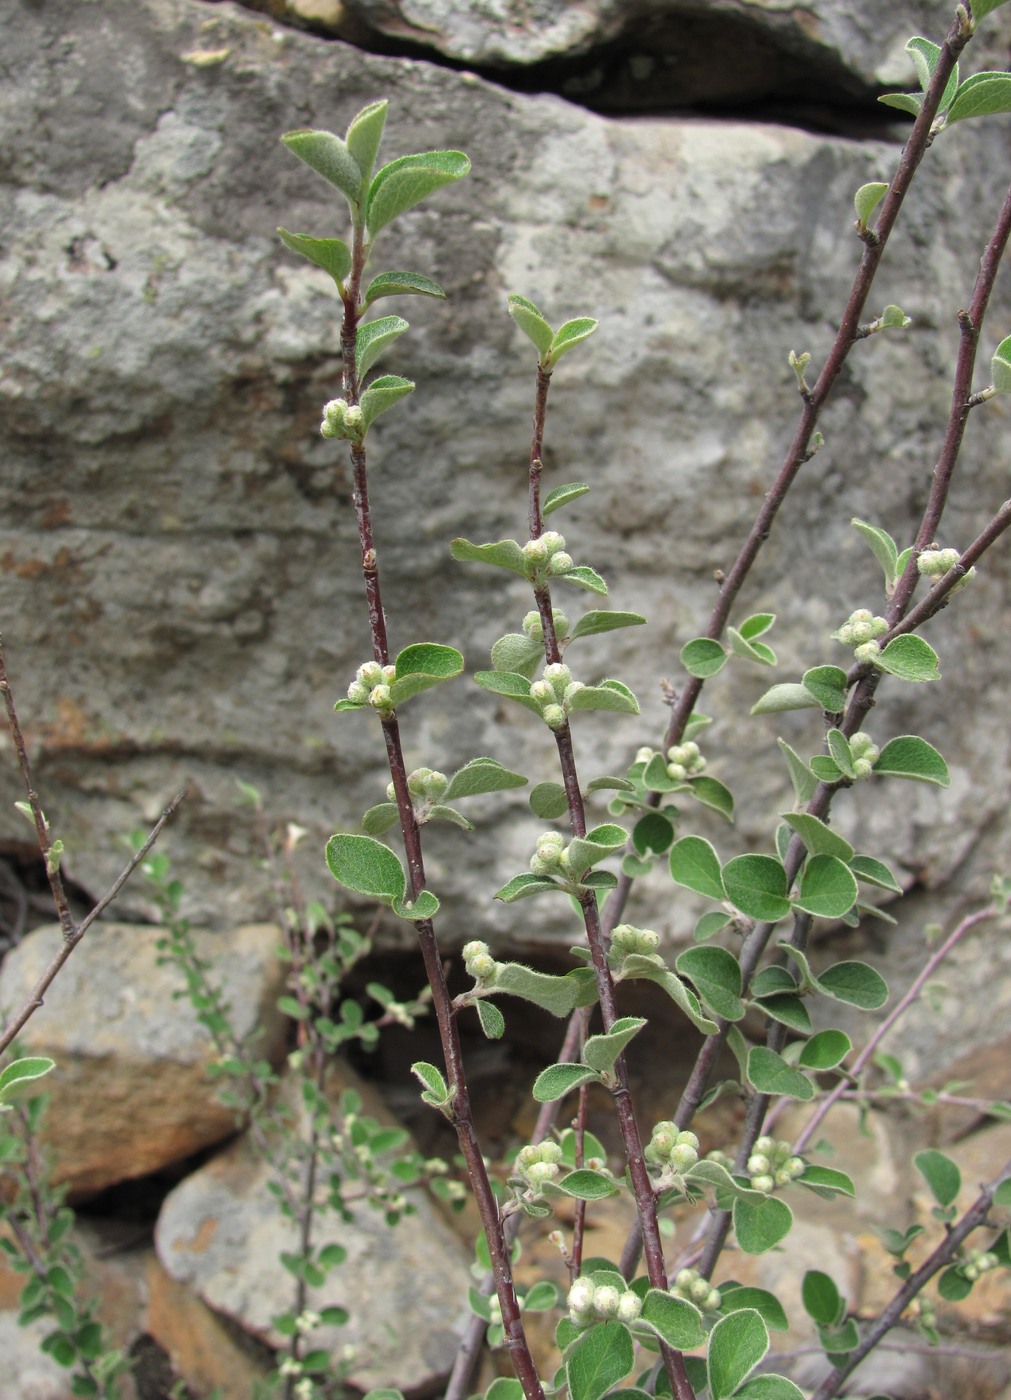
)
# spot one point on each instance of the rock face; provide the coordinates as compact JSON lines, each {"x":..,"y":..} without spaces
{"x":179,"y":590}
{"x":130,"y":1093}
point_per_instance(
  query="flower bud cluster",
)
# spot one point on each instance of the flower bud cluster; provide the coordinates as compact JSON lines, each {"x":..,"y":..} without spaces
{"x":771,"y":1164}
{"x":692,"y":1286}
{"x":976,"y":1262}
{"x":935,"y":563}
{"x":865,"y":754}
{"x":546,"y":556}
{"x":588,"y":1302}
{"x":534,"y":628}
{"x":551,"y":857}
{"x":372,"y":686}
{"x":539,"y":1164}
{"x":673,"y":1150}
{"x":342,"y":420}
{"x":554,"y":693}
{"x":684,"y":761}
{"x":627,"y":939}
{"x":478,"y":961}
{"x":860,"y":629}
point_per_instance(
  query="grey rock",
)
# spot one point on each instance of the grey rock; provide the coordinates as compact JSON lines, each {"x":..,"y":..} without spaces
{"x":180,"y":587}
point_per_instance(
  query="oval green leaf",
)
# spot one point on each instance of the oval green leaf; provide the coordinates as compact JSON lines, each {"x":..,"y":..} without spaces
{"x":366,"y":866}
{"x":695,"y":864}
{"x":756,"y":885}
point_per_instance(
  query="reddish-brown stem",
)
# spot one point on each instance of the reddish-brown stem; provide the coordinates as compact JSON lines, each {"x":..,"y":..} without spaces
{"x":536,"y":451}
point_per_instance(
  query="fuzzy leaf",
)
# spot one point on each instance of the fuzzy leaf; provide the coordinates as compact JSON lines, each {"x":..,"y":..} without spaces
{"x":595,"y":846}
{"x":675,"y":1320}
{"x":825,"y":1050}
{"x":712,"y":793}
{"x":925,"y":54}
{"x":827,"y":1182}
{"x":510,"y":684}
{"x":601,"y":1051}
{"x":828,"y":686}
{"x":374,"y":337}
{"x":804,"y":781}
{"x":750,"y":651}
{"x":333,"y":256}
{"x":736,"y":1345}
{"x":394,"y":284}
{"x":910,"y":102}
{"x":598,"y":1360}
{"x":382,"y":394}
{"x":874,"y":872}
{"x":603,"y":621}
{"x":761,"y":1223}
{"x":568,"y":335}
{"x":1000,"y":367}
{"x":554,"y":994}
{"x":329,"y":156}
{"x":785,"y":696}
{"x":561,"y":496}
{"x":710,"y":925}
{"x":788,"y":1009}
{"x":828,"y":888}
{"x":366,"y":866}
{"x":517,"y":652}
{"x":481,"y":775}
{"x":584,"y":577}
{"x":909,"y":756}
{"x":23,"y":1071}
{"x":819,"y":839}
{"x":531,"y":323}
{"x":734,"y":1296}
{"x":856,"y":984}
{"x":491,"y":1018}
{"x":652,"y":968}
{"x":756,"y":885}
{"x":821,"y":1299}
{"x":716,"y":975}
{"x":586,"y":1185}
{"x":608,"y":695}
{"x":980,"y":96}
{"x":548,"y":801}
{"x":423,"y":665}
{"x":653,"y":834}
{"x":405,"y":182}
{"x":867,"y":199}
{"x":840,"y":752}
{"x":364,"y":135}
{"x":436,"y":1090}
{"x":910,"y":658}
{"x":525,"y":887}
{"x":441,"y":813}
{"x":380,"y":818}
{"x":981,"y":8}
{"x":426,"y":906}
{"x":504,"y":554}
{"x":695,"y":864}
{"x":702,"y":657}
{"x":770,"y":1074}
{"x":941,"y":1175}
{"x":557,"y":1080}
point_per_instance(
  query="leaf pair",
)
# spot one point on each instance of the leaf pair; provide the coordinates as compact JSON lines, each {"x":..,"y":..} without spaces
{"x":550,"y":345}
{"x":981,"y":95}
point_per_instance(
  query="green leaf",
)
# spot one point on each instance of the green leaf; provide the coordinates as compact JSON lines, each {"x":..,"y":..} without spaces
{"x":828,"y":686}
{"x":941,"y":1175}
{"x":867,"y":199}
{"x":734,"y":1296}
{"x":674,"y":1320}
{"x":761,"y":1223}
{"x":828,"y":888}
{"x":652,"y":968}
{"x":23,"y":1071}
{"x":710,"y":925}
{"x":769,"y":1387}
{"x":910,"y":658}
{"x":601,"y":1051}
{"x":482,"y":775}
{"x":803,"y":780}
{"x":586,"y":1185}
{"x":604,"y":621}
{"x":882,"y":545}
{"x":329,"y":156}
{"x":714,"y":794}
{"x":568,"y":335}
{"x":364,"y":135}
{"x":874,"y":872}
{"x":788,"y":1009}
{"x":980,"y":96}
{"x":981,"y":8}
{"x":785,"y":696}
{"x":909,"y":756}
{"x":599,"y":1359}
{"x":756,"y":625}
{"x":518,"y":653}
{"x":392,"y":284}
{"x":374,"y":337}
{"x":366,"y":866}
{"x":405,"y":182}
{"x":856,"y":984}
{"x":379,"y":819}
{"x":333,"y":256}
{"x":525,"y":887}
{"x":531,"y":323}
{"x":548,"y":801}
{"x":653,"y":834}
{"x":825,"y":768}
{"x":695,"y":864}
{"x":716,"y":975}
{"x":382,"y":394}
{"x":557,"y":1080}
{"x":491,"y":1018}
{"x":554,"y":994}
{"x":584,"y":577}
{"x":1000,"y":367}
{"x":925,"y":55}
{"x":756,"y":885}
{"x":503,"y":554}
{"x":822,"y":1300}
{"x":770,"y":1074}
{"x":508,"y":683}
{"x":561,"y":496}
{"x":819,"y":839}
{"x":840,"y":752}
{"x":717,"y":1176}
{"x":423,"y":665}
{"x":595,"y":846}
{"x":608,"y":695}
{"x":702,"y":657}
{"x":825,"y":1050}
{"x":426,"y":906}
{"x":827,"y":1182}
{"x":910,"y":102}
{"x":953,"y":1286}
{"x":750,"y":651}
{"x":435,"y":1089}
{"x":736,"y":1345}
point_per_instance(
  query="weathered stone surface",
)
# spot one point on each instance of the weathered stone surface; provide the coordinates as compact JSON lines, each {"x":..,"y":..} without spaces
{"x":179,"y":586}
{"x":131,"y":1093}
{"x":221,"y":1233}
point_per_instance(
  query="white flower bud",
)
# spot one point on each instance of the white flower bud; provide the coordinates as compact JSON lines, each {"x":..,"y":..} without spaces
{"x":758,"y":1163}
{"x":358,"y":693}
{"x":580,"y":1299}
{"x":714,"y":1300}
{"x":381,"y":698}
{"x":535,"y":551}
{"x":763,"y":1183}
{"x":684,"y":1280}
{"x":561,"y":563}
{"x":867,"y":652}
{"x":644,"y":754}
{"x":682,"y":1157}
{"x":677,"y":771}
{"x":553,"y":716}
{"x":550,"y":1152}
{"x":629,"y":1306}
{"x":561,"y":623}
{"x":540,"y":1172}
{"x":686,"y":1138}
{"x":699,"y":1290}
{"x":474,"y":949}
{"x":879,"y":626}
{"x":606,"y":1300}
{"x":863,"y":767}
{"x":389,"y":674}
{"x":542,"y":692}
{"x":533,"y":627}
{"x":370,"y":674}
{"x":765,"y":1144}
{"x":558,"y":676}
{"x":553,"y":541}
{"x":391,"y":791}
